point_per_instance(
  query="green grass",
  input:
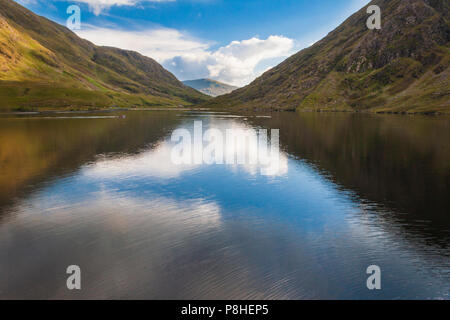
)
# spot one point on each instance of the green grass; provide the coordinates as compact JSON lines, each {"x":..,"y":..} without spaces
{"x":43,"y":65}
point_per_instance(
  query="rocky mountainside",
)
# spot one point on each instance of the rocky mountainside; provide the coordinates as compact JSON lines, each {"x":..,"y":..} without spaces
{"x":401,"y":68}
{"x":45,"y":65}
{"x":210,"y":87}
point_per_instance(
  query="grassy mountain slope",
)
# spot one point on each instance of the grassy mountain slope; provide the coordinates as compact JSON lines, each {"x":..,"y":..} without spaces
{"x":401,"y":68}
{"x":210,"y":87}
{"x":45,"y":65}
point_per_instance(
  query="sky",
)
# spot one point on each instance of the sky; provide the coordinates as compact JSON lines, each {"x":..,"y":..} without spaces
{"x":233,"y":41}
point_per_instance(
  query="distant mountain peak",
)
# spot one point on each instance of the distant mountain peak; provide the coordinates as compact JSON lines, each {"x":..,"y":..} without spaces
{"x":210,"y":87}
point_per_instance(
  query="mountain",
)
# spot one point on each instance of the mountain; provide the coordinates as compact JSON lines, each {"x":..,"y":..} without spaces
{"x":210,"y":87}
{"x":45,"y":65}
{"x":401,"y":68}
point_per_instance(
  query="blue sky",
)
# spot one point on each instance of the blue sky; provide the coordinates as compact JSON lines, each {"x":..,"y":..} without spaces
{"x":227,"y":40}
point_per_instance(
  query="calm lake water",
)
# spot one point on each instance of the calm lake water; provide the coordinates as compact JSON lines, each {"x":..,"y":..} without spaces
{"x":100,"y":191}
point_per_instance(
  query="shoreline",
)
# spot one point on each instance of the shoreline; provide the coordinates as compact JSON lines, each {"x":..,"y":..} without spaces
{"x":232,"y":110}
{"x":97,"y":111}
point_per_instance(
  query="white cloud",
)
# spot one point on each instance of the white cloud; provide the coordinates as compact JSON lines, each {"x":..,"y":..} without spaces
{"x":159,"y":44}
{"x":190,"y":58}
{"x":158,"y":162}
{"x":98,"y":6}
{"x":236,"y":62}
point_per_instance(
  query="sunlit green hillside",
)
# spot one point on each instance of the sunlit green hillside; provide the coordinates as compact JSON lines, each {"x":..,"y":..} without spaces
{"x":44,"y":65}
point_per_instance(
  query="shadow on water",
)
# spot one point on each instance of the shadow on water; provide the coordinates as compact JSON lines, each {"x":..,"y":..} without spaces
{"x":102,"y":192}
{"x":37,"y":150}
{"x":400,"y":162}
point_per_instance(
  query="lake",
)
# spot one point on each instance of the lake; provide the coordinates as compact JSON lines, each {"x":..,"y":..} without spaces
{"x":99,"y":190}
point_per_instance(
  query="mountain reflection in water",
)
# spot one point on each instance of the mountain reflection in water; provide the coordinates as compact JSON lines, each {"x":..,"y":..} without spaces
{"x":101,"y":193}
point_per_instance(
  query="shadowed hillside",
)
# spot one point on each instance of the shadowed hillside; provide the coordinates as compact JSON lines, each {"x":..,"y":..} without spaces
{"x":401,"y":68}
